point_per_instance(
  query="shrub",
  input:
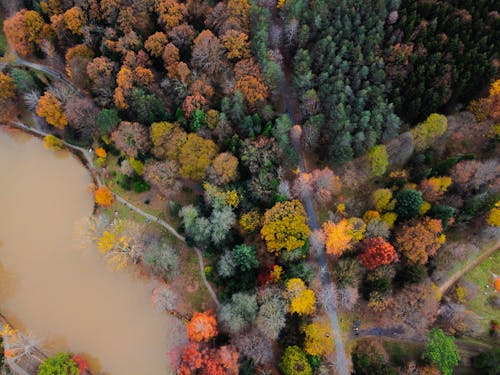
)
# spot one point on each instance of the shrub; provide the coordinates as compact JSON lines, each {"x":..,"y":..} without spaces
{"x":60,"y":364}
{"x":141,"y":186}
{"x":52,"y":143}
{"x":379,"y":160}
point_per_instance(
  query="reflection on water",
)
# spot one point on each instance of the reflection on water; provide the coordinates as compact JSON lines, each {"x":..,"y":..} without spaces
{"x":65,"y":296}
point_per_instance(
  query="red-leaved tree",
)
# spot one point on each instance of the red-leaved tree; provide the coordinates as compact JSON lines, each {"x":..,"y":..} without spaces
{"x":377,"y":252}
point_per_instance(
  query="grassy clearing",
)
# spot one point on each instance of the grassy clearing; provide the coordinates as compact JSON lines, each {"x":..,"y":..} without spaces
{"x":482,"y":277}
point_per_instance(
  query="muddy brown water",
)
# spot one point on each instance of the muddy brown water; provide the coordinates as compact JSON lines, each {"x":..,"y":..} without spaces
{"x":62,"y":293}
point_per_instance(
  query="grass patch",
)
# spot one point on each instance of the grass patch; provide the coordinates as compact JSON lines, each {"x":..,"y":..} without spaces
{"x":482,"y":277}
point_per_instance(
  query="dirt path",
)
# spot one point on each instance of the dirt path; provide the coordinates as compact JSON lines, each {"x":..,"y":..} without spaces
{"x":472,"y":264}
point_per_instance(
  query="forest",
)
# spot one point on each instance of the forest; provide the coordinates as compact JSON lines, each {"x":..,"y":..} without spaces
{"x":334,"y":163}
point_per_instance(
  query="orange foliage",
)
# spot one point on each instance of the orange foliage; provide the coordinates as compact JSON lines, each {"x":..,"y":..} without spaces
{"x":74,"y":20}
{"x":143,"y":76}
{"x":23,"y":31}
{"x":202,"y":326}
{"x":7,"y":87}
{"x":51,"y":109}
{"x":170,"y":58}
{"x":155,"y":44}
{"x":103,"y":196}
{"x":253,"y":89}
{"x":338,"y":237}
{"x":237,"y":44}
{"x":225,"y":168}
{"x":78,"y":51}
{"x":240,"y":10}
{"x":420,"y":239}
{"x":199,"y":359}
{"x":171,"y":13}
{"x":377,"y":252}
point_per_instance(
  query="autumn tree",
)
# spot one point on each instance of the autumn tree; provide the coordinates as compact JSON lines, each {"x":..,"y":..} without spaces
{"x":323,"y":184}
{"x":131,"y":138}
{"x":441,"y":351}
{"x":429,"y":130}
{"x":302,"y":299}
{"x":74,"y":20}
{"x":250,"y":82}
{"x":338,"y":237}
{"x":379,"y":160}
{"x":318,"y":339}
{"x":82,"y":116}
{"x":24,"y":31}
{"x":163,"y":176}
{"x":171,"y":13}
{"x":418,"y":240}
{"x":377,"y":252}
{"x":224,"y":169}
{"x":285,"y":227}
{"x":202,"y":326}
{"x":383,"y":201}
{"x":101,"y":72}
{"x":198,"y":358}
{"x":52,"y":143}
{"x":103,"y":196}
{"x":156,"y":43}
{"x":207,"y":53}
{"x":195,"y":156}
{"x":294,"y":362}
{"x":167,"y":139}
{"x":433,"y":188}
{"x":237,"y":45}
{"x":7,"y":87}
{"x":51,"y":109}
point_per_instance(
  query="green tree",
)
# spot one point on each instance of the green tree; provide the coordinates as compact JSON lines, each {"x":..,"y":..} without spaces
{"x":441,"y":351}
{"x":108,"y":120}
{"x":408,"y":203}
{"x":488,"y":362}
{"x":60,"y":364}
{"x":294,"y":362}
{"x":23,"y":80}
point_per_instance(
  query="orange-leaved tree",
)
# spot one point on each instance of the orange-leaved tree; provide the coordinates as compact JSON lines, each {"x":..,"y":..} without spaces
{"x":7,"y":87}
{"x":103,"y":196}
{"x":51,"y":109}
{"x":338,"y":236}
{"x":24,"y":31}
{"x":285,"y":227}
{"x":202,"y":326}
{"x":377,"y":252}
{"x":418,"y":240}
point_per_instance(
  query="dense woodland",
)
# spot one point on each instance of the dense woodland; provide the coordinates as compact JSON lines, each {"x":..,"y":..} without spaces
{"x":197,"y":102}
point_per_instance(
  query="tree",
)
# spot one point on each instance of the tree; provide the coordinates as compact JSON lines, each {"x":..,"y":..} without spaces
{"x":163,"y":259}
{"x":377,"y":252}
{"x":163,"y":176}
{"x":23,"y":80}
{"x":408,"y":203}
{"x":379,"y":160}
{"x":255,"y":345}
{"x":60,"y":364}
{"x":101,"y":72}
{"x":24,"y":31}
{"x":487,"y":362}
{"x":74,"y":20}
{"x":202,"y":326}
{"x":236,"y":43}
{"x":428,"y":131}
{"x":420,"y":239}
{"x":168,"y":139}
{"x":77,"y":59}
{"x":294,"y":362}
{"x":156,"y":43}
{"x":7,"y":87}
{"x":131,"y":138}
{"x":302,"y":299}
{"x":224,"y":169}
{"x":338,"y":237}
{"x":237,"y":314}
{"x":82,"y":115}
{"x":52,"y":143}
{"x":170,"y":12}
{"x":207,"y":53}
{"x":51,"y":109}
{"x":494,"y":216}
{"x":199,"y":359}
{"x":318,"y":339}
{"x":382,"y":200}
{"x":441,"y":351}
{"x":433,"y":188}
{"x":195,"y":156}
{"x":103,"y":196}
{"x":271,"y":317}
{"x":108,"y":120}
{"x":285,"y":227}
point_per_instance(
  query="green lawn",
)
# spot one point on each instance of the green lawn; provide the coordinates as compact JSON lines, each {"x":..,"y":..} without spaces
{"x":482,"y":277}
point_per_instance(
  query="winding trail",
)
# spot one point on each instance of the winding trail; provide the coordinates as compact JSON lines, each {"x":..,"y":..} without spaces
{"x":327,"y":285}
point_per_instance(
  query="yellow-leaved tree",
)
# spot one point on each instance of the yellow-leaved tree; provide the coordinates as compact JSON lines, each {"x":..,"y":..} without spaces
{"x":302,"y":299}
{"x":285,"y":227}
{"x":319,"y":340}
{"x":338,"y":237}
{"x":195,"y":156}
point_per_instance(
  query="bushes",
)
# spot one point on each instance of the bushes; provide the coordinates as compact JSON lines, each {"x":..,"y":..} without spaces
{"x":379,"y":160}
{"x":426,"y":132}
{"x":60,"y":364}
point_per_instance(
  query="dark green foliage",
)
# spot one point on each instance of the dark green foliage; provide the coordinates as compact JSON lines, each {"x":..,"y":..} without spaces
{"x":147,"y":108}
{"x":411,"y":274}
{"x":408,"y":203}
{"x":140,"y":186}
{"x":363,"y":365}
{"x":301,"y":270}
{"x":108,"y":120}
{"x":23,"y":80}
{"x":452,"y":54}
{"x":124,"y":181}
{"x":381,"y":285}
{"x":198,"y":119}
{"x":247,"y":366}
{"x":477,"y":205}
{"x":340,"y":62}
{"x":293,"y":333}
{"x":443,"y":213}
{"x":488,"y":362}
{"x":245,"y":257}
